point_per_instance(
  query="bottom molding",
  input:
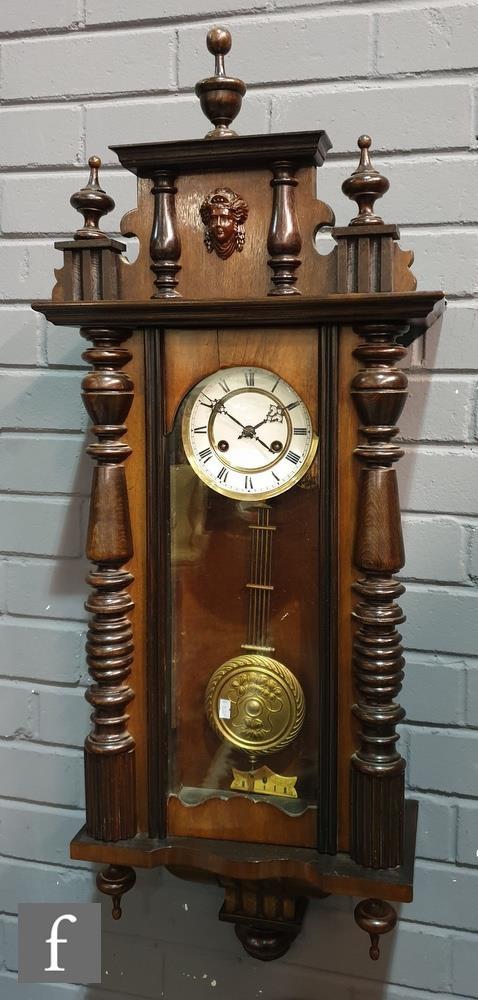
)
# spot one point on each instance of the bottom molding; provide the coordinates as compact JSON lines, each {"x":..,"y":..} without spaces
{"x":266,"y":886}
{"x":307,"y":872}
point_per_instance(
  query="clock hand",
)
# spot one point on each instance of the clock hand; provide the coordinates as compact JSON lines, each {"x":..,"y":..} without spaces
{"x":211,"y":402}
{"x":263,"y":443}
{"x":274,"y":414}
{"x":227,"y":414}
{"x":244,"y":426}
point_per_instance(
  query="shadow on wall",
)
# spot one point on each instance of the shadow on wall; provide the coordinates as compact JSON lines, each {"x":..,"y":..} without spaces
{"x":169,"y":943}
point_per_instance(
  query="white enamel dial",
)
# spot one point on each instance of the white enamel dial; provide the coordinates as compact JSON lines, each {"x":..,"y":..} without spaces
{"x":247,"y":434}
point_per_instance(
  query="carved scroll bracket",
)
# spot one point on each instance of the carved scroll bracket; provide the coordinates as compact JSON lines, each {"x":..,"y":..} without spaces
{"x":110,"y":748}
{"x":284,"y":241}
{"x":377,"y":780}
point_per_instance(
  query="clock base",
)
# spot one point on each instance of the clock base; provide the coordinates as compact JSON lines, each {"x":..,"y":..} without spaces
{"x":266,"y":885}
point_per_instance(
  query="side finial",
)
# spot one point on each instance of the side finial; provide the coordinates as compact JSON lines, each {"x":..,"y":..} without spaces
{"x":114,"y":881}
{"x":376,"y":917}
{"x":93,"y":203}
{"x":220,"y":95}
{"x":364,"y":186}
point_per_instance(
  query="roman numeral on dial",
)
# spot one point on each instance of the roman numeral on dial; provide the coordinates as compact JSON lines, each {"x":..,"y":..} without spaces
{"x":200,"y":430}
{"x":293,"y":457}
{"x":247,"y":483}
{"x":249,"y":377}
{"x":300,"y":430}
{"x":224,"y":386}
{"x":205,"y":454}
{"x":292,"y":406}
{"x":223,"y":474}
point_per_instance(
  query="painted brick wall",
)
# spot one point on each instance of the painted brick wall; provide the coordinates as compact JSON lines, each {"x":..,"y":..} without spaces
{"x":75,"y":76}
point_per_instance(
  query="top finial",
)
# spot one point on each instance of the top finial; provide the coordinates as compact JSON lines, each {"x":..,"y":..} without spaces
{"x":93,"y":203}
{"x":364,"y":186}
{"x":220,"y":95}
{"x":219,"y":41}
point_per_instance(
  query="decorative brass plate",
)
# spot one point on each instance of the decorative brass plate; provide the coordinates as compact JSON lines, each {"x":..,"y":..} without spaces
{"x":263,"y":781}
{"x":255,"y":703}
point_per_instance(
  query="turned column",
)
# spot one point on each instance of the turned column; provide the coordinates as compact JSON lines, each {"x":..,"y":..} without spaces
{"x":109,"y":749}
{"x":377,"y":769}
{"x":165,"y":244}
{"x":366,"y":256}
{"x":284,"y":241}
{"x":91,"y":272}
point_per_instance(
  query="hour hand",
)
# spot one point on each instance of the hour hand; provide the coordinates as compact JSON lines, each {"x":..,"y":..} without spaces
{"x":275,"y":414}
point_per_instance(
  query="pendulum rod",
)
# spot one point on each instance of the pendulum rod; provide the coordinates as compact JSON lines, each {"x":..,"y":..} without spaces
{"x":260,"y":587}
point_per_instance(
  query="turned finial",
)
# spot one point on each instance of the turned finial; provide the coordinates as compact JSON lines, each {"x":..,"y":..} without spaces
{"x":220,"y":95}
{"x":93,"y":203}
{"x":375,"y":917}
{"x":114,"y":881}
{"x":364,"y":186}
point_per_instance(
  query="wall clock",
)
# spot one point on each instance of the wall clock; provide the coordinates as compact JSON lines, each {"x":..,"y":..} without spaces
{"x":244,"y":526}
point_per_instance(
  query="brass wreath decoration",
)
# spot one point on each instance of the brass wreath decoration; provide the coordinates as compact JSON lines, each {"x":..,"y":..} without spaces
{"x":255,"y":703}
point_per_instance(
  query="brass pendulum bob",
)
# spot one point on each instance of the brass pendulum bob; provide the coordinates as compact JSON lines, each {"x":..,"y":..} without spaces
{"x":254,"y":702}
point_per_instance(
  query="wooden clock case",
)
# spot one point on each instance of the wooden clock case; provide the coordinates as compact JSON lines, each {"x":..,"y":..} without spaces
{"x":335,"y":326}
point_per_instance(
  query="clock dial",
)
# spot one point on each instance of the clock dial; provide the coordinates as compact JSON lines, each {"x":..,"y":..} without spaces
{"x":247,"y":433}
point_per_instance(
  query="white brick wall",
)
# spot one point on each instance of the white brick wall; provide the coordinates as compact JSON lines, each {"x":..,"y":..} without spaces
{"x":77,"y":76}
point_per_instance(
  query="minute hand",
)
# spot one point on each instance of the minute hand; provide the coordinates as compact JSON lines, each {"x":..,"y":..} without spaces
{"x":227,"y":414}
{"x":262,"y":442}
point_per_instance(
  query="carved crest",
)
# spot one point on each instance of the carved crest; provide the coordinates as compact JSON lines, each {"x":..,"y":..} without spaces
{"x":224,"y":213}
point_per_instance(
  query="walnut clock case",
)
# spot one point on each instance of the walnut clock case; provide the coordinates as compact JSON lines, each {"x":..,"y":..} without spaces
{"x":245,"y":526}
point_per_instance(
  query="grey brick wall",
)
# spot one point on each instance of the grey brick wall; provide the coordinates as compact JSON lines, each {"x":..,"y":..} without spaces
{"x":77,"y":75}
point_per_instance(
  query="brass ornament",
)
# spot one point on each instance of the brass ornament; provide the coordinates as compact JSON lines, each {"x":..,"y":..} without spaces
{"x":224,"y":213}
{"x":255,"y":704}
{"x":263,"y":781}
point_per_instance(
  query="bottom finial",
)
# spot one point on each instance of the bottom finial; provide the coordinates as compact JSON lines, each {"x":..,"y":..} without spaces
{"x":114,"y":881}
{"x":376,"y":917}
{"x":265,"y":945}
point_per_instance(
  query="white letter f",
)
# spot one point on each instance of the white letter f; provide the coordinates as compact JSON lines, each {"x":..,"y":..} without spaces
{"x":54,"y":941}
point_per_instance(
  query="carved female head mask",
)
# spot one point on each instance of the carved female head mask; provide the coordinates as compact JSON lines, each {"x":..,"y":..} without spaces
{"x":224,"y":213}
